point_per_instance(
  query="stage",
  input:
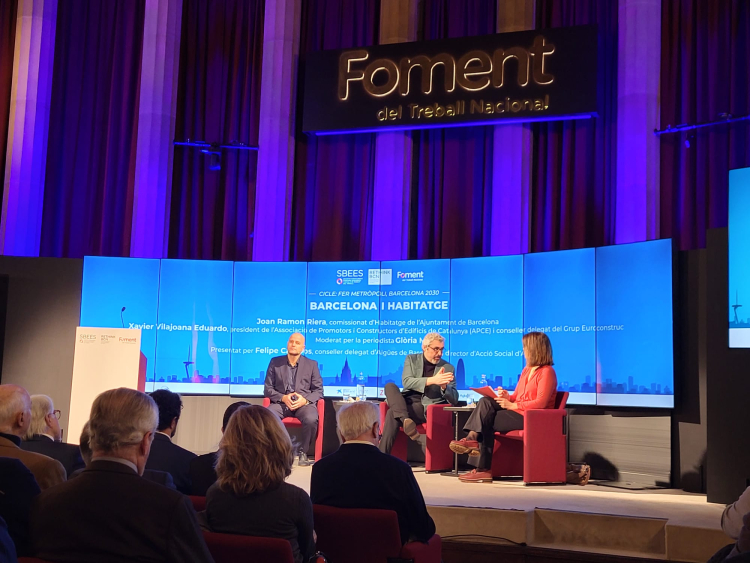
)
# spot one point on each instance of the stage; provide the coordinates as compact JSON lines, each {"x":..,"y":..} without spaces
{"x":664,"y":524}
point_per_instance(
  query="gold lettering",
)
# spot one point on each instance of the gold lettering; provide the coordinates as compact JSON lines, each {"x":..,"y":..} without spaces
{"x":346,"y":74}
{"x":539,"y":50}
{"x":474,"y":64}
{"x":376,"y":66}
{"x":501,"y":57}
{"x":427,"y":68}
{"x":476,"y":107}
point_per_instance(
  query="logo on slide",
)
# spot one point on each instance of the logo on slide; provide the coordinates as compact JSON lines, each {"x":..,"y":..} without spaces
{"x":339,"y":281}
{"x":379,"y":276}
{"x":87,"y":338}
{"x":410,"y":276}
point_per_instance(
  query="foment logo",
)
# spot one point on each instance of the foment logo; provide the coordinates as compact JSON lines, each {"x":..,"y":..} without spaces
{"x":408,"y":276}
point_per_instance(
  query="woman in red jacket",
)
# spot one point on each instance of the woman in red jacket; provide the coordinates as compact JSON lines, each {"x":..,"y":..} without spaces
{"x":536,"y":389}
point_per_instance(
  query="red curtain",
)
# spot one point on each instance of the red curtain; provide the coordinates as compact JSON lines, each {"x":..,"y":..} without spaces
{"x":451,"y":192}
{"x":218,"y":101}
{"x":704,"y":74}
{"x":573,"y":170}
{"x":88,"y":192}
{"x":334,"y":175}
{"x":8,"y":9}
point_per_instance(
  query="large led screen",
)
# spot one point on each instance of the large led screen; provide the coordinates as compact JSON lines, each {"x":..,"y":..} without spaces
{"x":123,"y":293}
{"x":634,"y":352}
{"x":738,"y":309}
{"x":212,"y":327}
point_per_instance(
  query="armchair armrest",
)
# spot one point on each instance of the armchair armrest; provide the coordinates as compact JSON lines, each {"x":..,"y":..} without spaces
{"x":544,"y":421}
{"x":429,"y":552}
{"x":266,"y":402}
{"x":436,"y":414}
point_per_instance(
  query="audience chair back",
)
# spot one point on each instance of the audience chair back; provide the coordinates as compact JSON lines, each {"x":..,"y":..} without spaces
{"x":295,"y":423}
{"x":230,"y":548}
{"x":373,"y":535}
{"x":32,"y":560}
{"x":199,"y":503}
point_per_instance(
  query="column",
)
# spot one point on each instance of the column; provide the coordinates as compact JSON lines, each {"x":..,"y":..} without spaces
{"x":512,"y":146}
{"x":393,"y":151}
{"x":160,"y":63}
{"x":273,"y":195}
{"x":638,"y":67}
{"x":26,"y":157}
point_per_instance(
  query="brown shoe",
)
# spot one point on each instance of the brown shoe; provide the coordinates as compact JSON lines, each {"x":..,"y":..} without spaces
{"x":464,"y":446}
{"x":410,"y":429}
{"x":475,"y":476}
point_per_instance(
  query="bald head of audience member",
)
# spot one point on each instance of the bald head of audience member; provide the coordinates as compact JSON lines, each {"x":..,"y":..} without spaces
{"x":359,"y":422}
{"x":15,"y":410}
{"x":122,"y":425}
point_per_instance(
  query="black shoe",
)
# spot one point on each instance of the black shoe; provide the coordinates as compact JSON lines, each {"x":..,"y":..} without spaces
{"x":303,"y":460}
{"x":410,"y":429}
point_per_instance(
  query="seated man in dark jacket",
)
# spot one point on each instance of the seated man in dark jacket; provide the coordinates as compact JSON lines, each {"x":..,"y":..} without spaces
{"x":44,"y":435}
{"x":166,"y":455}
{"x":359,"y":475}
{"x":18,"y":488}
{"x":202,"y":468}
{"x":109,"y":512}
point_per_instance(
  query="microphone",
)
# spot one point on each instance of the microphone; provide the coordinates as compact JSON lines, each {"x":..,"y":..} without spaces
{"x":122,"y":318}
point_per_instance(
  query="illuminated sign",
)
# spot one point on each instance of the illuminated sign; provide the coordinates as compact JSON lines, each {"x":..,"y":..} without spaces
{"x":524,"y":76}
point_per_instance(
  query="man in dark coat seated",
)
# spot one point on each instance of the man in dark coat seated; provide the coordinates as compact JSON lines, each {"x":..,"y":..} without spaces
{"x":109,"y":512}
{"x":165,"y":454}
{"x":294,"y":386}
{"x":359,"y":475}
{"x":18,"y":488}
{"x":45,"y":435}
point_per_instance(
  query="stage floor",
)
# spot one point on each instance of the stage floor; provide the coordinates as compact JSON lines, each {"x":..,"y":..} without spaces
{"x":664,"y":524}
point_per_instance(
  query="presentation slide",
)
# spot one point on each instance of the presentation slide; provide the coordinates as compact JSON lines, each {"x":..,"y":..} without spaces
{"x":739,"y":258}
{"x":414,"y":301}
{"x":193,"y":338}
{"x":343,"y":305}
{"x":634,"y":325}
{"x":558,"y":299}
{"x":486,"y":322}
{"x":269,"y":305}
{"x":123,"y":293}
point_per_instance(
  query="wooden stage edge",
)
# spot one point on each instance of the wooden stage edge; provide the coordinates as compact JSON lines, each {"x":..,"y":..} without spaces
{"x":508,"y":521}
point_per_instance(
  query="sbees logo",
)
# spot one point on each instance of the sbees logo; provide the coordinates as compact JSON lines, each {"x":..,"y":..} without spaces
{"x":86,"y":338}
{"x":349,"y":277}
{"x":410,"y":276}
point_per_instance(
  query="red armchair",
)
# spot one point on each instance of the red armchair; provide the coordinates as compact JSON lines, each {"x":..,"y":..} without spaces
{"x":230,"y":548}
{"x":539,"y":452}
{"x":439,"y":432}
{"x":294,"y":423}
{"x":32,"y":560}
{"x":199,"y":503}
{"x":372,"y":535}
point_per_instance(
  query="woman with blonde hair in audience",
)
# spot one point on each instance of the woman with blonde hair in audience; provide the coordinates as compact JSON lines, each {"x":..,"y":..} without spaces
{"x":250,"y":496}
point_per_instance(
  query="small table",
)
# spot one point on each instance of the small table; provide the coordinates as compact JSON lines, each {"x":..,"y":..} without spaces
{"x":455,"y":411}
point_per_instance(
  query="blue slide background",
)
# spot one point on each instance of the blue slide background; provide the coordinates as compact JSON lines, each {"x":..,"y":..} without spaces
{"x":739,"y":258}
{"x":634,"y":291}
{"x":487,"y":289}
{"x":559,"y":299}
{"x":109,"y":284}
{"x":270,"y":291}
{"x":412,"y":281}
{"x":194,"y":293}
{"x":344,"y":351}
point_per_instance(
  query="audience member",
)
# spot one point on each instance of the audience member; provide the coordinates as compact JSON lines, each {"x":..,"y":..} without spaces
{"x":731,"y":519}
{"x":109,"y":513}
{"x":359,"y":475}
{"x":250,"y":496}
{"x":294,"y":386}
{"x":166,"y":455}
{"x":202,"y":468}
{"x":17,"y":491}
{"x":161,"y":477}
{"x":15,"y":418}
{"x":7,"y":549}
{"x":536,"y":389}
{"x":44,"y":435}
{"x":738,"y":552}
{"x":428,"y":380}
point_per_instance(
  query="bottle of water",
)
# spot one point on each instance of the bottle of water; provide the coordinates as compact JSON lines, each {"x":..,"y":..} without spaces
{"x":361,"y":393}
